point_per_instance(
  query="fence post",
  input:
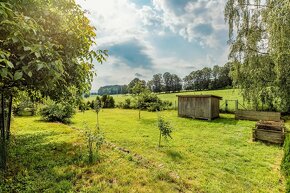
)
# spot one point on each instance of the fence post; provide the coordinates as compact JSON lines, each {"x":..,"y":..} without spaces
{"x":226,"y":107}
{"x":237,"y":105}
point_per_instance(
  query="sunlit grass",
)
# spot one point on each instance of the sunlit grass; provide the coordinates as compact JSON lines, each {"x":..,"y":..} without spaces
{"x":216,"y":156}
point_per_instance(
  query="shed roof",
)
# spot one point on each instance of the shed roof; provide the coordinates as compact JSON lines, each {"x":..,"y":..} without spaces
{"x":199,"y":96}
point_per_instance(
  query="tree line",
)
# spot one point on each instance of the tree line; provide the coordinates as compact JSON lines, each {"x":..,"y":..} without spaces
{"x":207,"y":78}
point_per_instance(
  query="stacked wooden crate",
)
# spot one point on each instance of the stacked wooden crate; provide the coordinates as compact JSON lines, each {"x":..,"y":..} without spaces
{"x":270,"y":131}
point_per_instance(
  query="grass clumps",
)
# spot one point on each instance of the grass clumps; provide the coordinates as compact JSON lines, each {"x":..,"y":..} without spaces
{"x":286,"y":162}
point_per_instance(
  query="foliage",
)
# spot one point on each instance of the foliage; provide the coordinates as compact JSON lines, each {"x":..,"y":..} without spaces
{"x":164,"y":128}
{"x":136,"y":86}
{"x":106,"y":101}
{"x":126,"y":104}
{"x":286,"y":161}
{"x":94,"y":143}
{"x":259,"y":40}
{"x":24,"y":104}
{"x":146,"y":101}
{"x":60,"y":62}
{"x":57,"y":112}
{"x":113,"y":89}
{"x":45,"y":47}
{"x":84,"y":106}
{"x":209,"y":79}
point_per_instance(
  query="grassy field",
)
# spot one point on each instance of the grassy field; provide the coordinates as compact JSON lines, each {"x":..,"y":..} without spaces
{"x":217,"y":156}
{"x":227,"y":94}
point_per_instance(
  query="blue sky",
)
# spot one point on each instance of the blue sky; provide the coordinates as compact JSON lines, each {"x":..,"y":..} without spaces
{"x":145,"y":37}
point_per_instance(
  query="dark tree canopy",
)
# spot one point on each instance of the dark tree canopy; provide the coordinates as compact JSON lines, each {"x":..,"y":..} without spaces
{"x":45,"y":46}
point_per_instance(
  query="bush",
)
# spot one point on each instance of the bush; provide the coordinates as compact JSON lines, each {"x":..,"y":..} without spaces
{"x":107,"y":101}
{"x":60,"y":112}
{"x":84,"y":106}
{"x":151,"y":102}
{"x":23,"y":106}
{"x":126,"y":104}
{"x":286,"y":161}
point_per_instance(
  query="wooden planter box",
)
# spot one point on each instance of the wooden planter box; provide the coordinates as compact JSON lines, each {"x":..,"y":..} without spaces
{"x":269,"y":131}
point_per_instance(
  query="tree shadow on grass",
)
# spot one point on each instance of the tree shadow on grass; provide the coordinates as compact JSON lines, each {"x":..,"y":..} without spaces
{"x":223,"y":120}
{"x":227,"y":121}
{"x":174,"y":155}
{"x":37,"y":165}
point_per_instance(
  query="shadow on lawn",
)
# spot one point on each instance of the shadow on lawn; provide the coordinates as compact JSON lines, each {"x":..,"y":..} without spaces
{"x":223,"y":120}
{"x":36,"y":165}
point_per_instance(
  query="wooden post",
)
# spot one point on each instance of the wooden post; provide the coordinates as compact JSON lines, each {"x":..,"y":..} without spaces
{"x":226,"y":108}
{"x":210,"y":110}
{"x":175,"y":107}
{"x":237,"y":105}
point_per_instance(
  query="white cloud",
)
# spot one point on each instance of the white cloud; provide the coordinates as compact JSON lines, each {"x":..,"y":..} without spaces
{"x":186,"y":19}
{"x":121,"y":21}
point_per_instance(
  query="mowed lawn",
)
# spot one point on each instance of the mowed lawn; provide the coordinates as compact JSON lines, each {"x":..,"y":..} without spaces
{"x":216,"y":156}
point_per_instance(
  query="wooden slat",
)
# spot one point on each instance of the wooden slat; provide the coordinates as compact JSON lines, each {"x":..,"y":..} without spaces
{"x":257,"y":115}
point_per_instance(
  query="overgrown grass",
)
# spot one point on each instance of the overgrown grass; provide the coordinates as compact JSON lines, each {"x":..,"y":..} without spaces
{"x":217,"y":156}
{"x":286,"y":162}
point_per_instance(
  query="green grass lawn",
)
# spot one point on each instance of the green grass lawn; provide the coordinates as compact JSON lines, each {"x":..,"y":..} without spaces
{"x":216,"y":156}
{"x":227,"y":94}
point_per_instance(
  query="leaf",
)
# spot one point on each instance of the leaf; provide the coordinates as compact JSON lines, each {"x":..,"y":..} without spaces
{"x":4,"y":72}
{"x":39,"y":66}
{"x":9,"y":64}
{"x":18,"y":75}
{"x":14,"y":39}
{"x":29,"y":74}
{"x":37,"y":54}
{"x":26,"y":48}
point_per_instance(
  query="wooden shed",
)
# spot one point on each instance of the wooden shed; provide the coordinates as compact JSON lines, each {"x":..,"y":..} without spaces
{"x":199,"y":106}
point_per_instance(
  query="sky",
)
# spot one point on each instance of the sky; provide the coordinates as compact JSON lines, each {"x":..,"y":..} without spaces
{"x":146,"y":37}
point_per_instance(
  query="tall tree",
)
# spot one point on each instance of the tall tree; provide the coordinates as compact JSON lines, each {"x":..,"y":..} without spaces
{"x":45,"y":48}
{"x":157,"y":82}
{"x":176,"y":83}
{"x":259,"y":39}
{"x":167,"y":78}
{"x":134,"y":82}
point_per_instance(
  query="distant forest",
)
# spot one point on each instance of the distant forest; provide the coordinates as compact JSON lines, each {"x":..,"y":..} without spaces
{"x":205,"y":79}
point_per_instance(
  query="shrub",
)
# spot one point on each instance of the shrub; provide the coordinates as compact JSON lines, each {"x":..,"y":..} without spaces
{"x":61,"y":112}
{"x":126,"y":104}
{"x":83,"y":106}
{"x":107,"y":101}
{"x":286,"y":161}
{"x":95,"y":140}
{"x":151,"y":102}
{"x":24,"y":107}
{"x":164,"y":128}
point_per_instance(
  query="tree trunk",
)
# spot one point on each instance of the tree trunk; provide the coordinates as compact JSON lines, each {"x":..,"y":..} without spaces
{"x":9,"y":118}
{"x":2,"y":127}
{"x":139,"y":113}
{"x":159,"y":139}
{"x":98,"y":127}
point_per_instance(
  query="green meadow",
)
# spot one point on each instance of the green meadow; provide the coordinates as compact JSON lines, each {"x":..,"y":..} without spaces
{"x":202,"y":156}
{"x":226,"y":94}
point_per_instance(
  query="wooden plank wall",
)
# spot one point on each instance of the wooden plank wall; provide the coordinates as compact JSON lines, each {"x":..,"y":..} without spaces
{"x":195,"y":107}
{"x":215,"y":102}
{"x":257,"y":115}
